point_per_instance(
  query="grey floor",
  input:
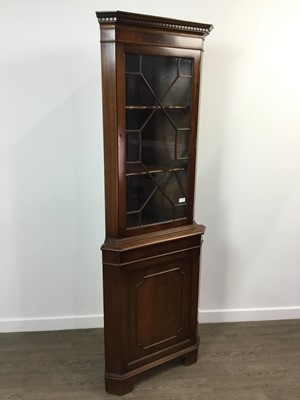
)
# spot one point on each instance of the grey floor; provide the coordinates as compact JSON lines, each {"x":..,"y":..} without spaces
{"x":255,"y":361}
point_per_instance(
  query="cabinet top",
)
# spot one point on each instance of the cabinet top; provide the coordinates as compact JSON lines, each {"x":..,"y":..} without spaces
{"x":151,"y":21}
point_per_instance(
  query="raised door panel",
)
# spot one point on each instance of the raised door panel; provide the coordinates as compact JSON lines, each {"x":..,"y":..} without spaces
{"x":159,"y":299}
{"x":160,"y":308}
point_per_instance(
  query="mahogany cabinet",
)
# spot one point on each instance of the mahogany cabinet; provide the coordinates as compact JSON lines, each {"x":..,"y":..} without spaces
{"x":151,"y":69}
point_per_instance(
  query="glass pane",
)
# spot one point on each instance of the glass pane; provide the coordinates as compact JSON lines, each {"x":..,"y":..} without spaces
{"x":158,"y":209}
{"x":179,"y":94}
{"x":182,"y":144}
{"x":180,"y":211}
{"x":139,"y":188}
{"x":136,"y":118}
{"x":132,"y":63}
{"x":132,"y":146}
{"x":158,"y":140}
{"x":137,"y":92}
{"x":159,"y":72}
{"x":186,"y":67}
{"x":133,"y":220}
{"x":174,"y":187}
{"x":180,"y":117}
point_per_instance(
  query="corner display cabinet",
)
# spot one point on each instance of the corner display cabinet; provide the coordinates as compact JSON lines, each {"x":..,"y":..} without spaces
{"x":150,"y":82}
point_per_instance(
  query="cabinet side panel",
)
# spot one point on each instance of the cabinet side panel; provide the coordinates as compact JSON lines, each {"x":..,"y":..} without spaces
{"x":194,"y":131}
{"x":110,"y":136}
{"x":112,"y":319}
{"x":195,"y":276}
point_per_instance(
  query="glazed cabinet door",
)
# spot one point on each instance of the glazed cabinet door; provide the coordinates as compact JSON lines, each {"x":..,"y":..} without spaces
{"x":158,"y":135}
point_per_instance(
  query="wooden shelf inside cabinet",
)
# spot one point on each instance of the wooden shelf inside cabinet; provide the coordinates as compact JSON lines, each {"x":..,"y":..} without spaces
{"x":155,"y":107}
{"x":138,"y":169}
{"x":151,"y":255}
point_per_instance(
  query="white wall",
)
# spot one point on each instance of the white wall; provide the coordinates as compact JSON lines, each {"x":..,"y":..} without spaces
{"x":51,"y":178}
{"x":249,"y":162}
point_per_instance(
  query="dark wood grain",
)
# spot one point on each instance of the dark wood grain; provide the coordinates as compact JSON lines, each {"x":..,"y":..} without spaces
{"x":150,"y":303}
{"x":150,"y":264}
{"x":122,"y":33}
{"x":249,"y":361}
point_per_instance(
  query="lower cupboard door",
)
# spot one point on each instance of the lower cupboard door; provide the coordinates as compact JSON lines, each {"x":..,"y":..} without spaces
{"x":162,"y":304}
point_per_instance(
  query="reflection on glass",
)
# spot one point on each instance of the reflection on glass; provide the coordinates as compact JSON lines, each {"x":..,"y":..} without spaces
{"x":179,"y":93}
{"x":182,"y":144}
{"x":158,"y":209}
{"x":132,"y":146}
{"x":136,"y":118}
{"x":186,"y":67}
{"x":137,"y":92}
{"x":157,"y":140}
{"x":180,"y":117}
{"x":139,"y":188}
{"x":174,"y":187}
{"x":159,"y":72}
